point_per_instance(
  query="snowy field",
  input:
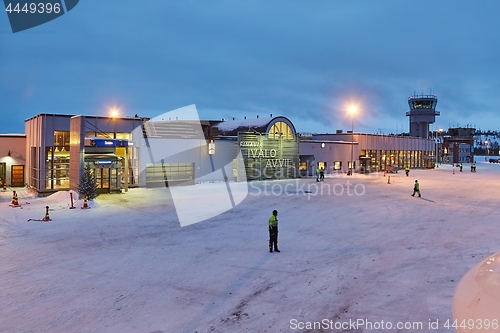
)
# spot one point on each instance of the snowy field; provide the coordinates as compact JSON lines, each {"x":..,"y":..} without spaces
{"x":364,"y":252}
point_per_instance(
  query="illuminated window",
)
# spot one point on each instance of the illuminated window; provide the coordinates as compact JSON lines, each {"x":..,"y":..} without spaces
{"x":337,"y":165}
{"x":280,"y":129}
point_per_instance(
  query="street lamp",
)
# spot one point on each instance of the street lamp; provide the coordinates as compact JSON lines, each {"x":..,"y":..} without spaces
{"x":352,"y":110}
{"x":487,"y":150}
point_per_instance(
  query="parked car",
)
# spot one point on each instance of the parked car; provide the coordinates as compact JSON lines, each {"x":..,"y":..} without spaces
{"x":493,"y":160}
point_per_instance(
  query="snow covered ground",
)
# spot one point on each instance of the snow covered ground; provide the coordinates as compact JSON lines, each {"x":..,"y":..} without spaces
{"x":366,"y":250}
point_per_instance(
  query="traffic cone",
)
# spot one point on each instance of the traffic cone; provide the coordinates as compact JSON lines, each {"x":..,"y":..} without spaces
{"x":47,"y":217}
{"x":85,"y":203}
{"x":15,"y":201}
{"x":389,"y":180}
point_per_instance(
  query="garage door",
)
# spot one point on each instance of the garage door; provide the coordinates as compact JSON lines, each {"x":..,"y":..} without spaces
{"x":168,"y":174}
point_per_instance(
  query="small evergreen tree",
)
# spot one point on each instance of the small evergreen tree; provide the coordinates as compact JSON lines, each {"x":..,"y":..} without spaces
{"x":88,"y":185}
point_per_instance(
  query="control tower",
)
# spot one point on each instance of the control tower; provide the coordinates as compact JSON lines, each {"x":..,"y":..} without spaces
{"x":422,"y":113}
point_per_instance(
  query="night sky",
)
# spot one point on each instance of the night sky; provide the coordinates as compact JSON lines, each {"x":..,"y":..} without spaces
{"x":305,"y":60}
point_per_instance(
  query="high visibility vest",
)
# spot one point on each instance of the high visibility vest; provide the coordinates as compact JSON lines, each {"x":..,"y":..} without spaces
{"x":273,"y":221}
{"x":417,"y":186}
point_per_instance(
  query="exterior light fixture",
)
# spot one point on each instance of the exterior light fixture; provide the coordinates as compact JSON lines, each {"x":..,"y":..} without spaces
{"x":211,"y":147}
{"x":114,"y":112}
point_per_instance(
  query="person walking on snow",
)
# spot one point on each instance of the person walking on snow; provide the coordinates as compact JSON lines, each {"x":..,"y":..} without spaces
{"x":461,"y":166}
{"x":273,"y":232}
{"x":407,"y":170}
{"x":416,"y":189}
{"x":322,"y":174}
{"x":317,"y":174}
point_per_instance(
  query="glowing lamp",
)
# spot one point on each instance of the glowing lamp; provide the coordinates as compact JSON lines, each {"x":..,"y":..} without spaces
{"x":211,"y":147}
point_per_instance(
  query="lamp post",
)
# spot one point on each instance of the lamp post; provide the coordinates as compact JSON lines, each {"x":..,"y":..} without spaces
{"x":352,"y":110}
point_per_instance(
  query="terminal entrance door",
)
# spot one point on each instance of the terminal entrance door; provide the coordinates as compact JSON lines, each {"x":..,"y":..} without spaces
{"x":102,"y":179}
{"x":17,"y":176}
{"x":106,"y":180}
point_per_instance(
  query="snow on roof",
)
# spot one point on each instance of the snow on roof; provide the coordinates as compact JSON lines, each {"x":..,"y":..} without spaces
{"x":234,"y":124}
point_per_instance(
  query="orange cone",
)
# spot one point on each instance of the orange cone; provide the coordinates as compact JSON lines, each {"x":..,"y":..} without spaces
{"x":15,"y":201}
{"x":85,"y":203}
{"x":47,"y":217}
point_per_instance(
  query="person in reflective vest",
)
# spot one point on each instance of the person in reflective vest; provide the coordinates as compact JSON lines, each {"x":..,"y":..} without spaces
{"x":317,"y":174}
{"x":407,"y":170}
{"x":416,"y":189}
{"x":273,"y":232}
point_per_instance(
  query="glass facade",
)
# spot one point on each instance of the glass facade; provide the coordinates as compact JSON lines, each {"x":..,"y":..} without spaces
{"x":376,"y":160}
{"x":281,"y":129}
{"x":57,"y":162}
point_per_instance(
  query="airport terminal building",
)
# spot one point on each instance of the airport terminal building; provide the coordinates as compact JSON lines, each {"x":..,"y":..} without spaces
{"x":143,"y":152}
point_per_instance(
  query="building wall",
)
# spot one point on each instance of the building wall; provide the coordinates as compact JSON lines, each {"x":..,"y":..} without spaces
{"x":371,"y":152}
{"x":457,"y":149}
{"x":16,"y":145}
{"x":381,"y":142}
{"x":88,"y":126}
{"x":40,"y":140}
{"x":39,"y":136}
{"x":331,"y":152}
{"x":170,"y":151}
{"x":77,"y":151}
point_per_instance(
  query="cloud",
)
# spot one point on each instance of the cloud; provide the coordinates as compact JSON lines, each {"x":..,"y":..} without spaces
{"x":232,"y":59}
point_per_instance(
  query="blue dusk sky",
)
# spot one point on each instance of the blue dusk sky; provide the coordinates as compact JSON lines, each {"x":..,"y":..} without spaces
{"x":305,"y":60}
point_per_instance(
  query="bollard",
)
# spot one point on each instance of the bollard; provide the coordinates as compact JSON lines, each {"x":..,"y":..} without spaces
{"x":47,"y":217}
{"x":71,"y":195}
{"x":389,"y":180}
